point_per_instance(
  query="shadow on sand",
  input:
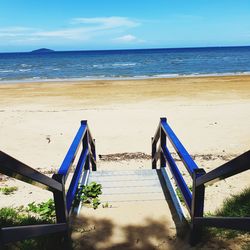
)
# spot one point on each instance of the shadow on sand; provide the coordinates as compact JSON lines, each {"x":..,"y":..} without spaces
{"x":92,"y":234}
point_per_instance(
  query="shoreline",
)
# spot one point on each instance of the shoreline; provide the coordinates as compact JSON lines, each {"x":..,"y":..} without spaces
{"x":135,"y":78}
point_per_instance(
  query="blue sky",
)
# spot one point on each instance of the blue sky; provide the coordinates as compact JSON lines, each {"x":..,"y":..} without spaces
{"x":116,"y":24}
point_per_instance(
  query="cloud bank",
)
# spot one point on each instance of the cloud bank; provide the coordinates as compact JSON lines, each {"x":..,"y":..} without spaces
{"x":79,"y":30}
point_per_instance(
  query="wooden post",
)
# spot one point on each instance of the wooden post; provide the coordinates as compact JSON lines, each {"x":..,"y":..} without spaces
{"x":94,"y":155}
{"x":153,"y":153}
{"x":60,"y":200}
{"x":197,"y":208}
{"x":163,"y":143}
{"x":61,"y":211}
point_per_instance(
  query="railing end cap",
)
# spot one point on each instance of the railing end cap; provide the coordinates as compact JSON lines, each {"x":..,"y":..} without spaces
{"x":84,"y":122}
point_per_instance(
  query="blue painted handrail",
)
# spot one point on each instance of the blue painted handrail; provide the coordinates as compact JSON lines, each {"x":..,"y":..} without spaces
{"x":87,"y":158}
{"x":180,"y":149}
{"x":70,"y":156}
{"x":178,"y":178}
{"x":76,"y":177}
{"x":195,"y":201}
{"x":63,"y":201}
{"x":164,"y":133}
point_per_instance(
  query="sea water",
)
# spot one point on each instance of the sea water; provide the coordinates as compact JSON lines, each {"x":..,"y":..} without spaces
{"x":124,"y":64}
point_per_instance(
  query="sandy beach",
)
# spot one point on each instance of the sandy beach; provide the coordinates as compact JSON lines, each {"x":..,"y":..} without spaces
{"x":210,"y":115}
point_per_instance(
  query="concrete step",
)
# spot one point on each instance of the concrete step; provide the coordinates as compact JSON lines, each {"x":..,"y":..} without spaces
{"x":131,"y":190}
{"x":123,"y":178}
{"x":131,"y":185}
{"x":124,"y":172}
{"x":132,"y":197}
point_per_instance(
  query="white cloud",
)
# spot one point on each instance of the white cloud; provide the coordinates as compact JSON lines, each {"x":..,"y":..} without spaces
{"x":80,"y":29}
{"x":15,"y":31}
{"x":127,"y":39}
{"x":108,"y":22}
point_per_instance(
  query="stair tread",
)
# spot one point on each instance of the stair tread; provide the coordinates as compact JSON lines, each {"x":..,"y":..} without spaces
{"x":132,"y":190}
{"x":128,"y":185}
{"x":132,"y":197}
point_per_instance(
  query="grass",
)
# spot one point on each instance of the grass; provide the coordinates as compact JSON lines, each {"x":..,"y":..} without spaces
{"x":235,"y":206}
{"x":238,"y":205}
{"x":8,"y":190}
{"x":179,"y":194}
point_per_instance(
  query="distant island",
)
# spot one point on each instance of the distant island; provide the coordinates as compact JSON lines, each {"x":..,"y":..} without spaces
{"x":42,"y":50}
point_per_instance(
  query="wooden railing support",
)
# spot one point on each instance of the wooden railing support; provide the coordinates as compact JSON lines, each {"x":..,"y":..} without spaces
{"x":163,"y":144}
{"x":197,"y":207}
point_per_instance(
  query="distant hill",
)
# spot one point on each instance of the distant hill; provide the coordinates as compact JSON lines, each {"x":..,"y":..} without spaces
{"x":42,"y":50}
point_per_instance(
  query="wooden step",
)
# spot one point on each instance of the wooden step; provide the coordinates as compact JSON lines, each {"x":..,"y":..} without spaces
{"x":127,"y":186}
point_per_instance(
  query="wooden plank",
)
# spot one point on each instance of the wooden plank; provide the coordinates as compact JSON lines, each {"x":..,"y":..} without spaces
{"x":223,"y":222}
{"x":12,"y":234}
{"x":233,"y":167}
{"x":18,"y":170}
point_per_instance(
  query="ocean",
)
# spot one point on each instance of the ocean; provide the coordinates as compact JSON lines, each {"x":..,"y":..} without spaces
{"x":124,"y":64}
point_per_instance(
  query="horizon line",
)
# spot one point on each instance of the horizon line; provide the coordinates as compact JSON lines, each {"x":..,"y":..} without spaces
{"x":130,"y":49}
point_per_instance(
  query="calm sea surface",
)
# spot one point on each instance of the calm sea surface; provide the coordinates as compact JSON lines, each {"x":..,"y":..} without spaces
{"x":119,"y":64}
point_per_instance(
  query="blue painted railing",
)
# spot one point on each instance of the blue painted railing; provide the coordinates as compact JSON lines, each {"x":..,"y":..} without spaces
{"x":86,"y":160}
{"x":195,"y":201}
{"x":165,"y":132}
{"x":63,"y":200}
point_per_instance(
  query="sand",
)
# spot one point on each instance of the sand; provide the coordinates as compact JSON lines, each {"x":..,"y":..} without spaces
{"x":210,"y":115}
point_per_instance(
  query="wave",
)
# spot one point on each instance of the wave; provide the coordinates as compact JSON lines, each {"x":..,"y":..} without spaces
{"x":6,"y":70}
{"x":24,"y":70}
{"x":25,"y":65}
{"x":114,"y":65}
{"x":124,"y":64}
{"x":108,"y":77}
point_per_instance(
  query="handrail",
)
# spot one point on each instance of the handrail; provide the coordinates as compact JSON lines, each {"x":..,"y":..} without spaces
{"x":63,"y":201}
{"x":233,"y":167}
{"x":164,"y":132}
{"x":11,"y":234}
{"x":180,"y":149}
{"x":87,"y":158}
{"x":178,"y":178}
{"x":76,"y":177}
{"x":70,"y":156}
{"x":242,"y":223}
{"x":18,"y":170}
{"x":195,"y":201}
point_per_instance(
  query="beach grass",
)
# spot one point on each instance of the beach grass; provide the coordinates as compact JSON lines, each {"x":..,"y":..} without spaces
{"x":236,"y":206}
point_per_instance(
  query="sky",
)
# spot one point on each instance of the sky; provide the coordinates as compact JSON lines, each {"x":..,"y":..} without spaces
{"x":122,"y":24}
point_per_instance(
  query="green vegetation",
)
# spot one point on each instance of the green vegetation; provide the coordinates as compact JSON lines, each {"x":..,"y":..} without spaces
{"x":106,"y":205}
{"x":89,"y":194}
{"x":238,"y":205}
{"x":235,"y":206}
{"x":179,"y":194}
{"x":34,"y":214}
{"x":45,"y":210}
{"x":16,"y":217}
{"x":8,"y":190}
